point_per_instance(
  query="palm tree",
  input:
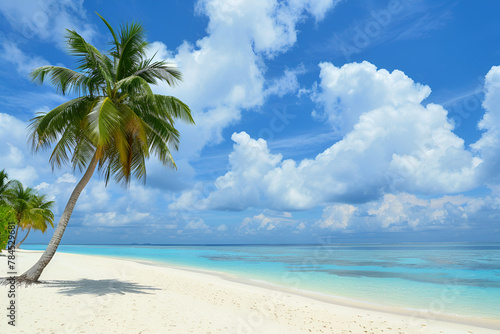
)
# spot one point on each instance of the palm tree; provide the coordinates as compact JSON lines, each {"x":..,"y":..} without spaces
{"x":5,"y":184}
{"x":41,"y":214}
{"x":20,"y":200}
{"x":116,"y":123}
{"x":7,"y":219}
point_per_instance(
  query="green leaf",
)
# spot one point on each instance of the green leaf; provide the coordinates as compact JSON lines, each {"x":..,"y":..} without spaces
{"x":117,"y":44}
{"x":104,"y":121}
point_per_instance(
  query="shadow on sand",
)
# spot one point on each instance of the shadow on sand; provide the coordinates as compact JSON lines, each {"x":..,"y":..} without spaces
{"x":99,"y":287}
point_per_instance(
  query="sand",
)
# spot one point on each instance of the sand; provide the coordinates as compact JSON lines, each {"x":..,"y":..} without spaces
{"x":92,"y":294}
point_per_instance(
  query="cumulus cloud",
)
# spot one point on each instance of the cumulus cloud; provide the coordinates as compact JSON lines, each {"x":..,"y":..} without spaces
{"x":66,"y":178}
{"x":394,"y":144}
{"x":392,"y":211}
{"x":268,"y":220}
{"x":42,"y":186}
{"x":113,"y":218}
{"x":403,"y":211}
{"x":243,"y":186}
{"x":95,"y":197}
{"x":198,"y":224}
{"x":489,"y":143}
{"x":269,"y":24}
{"x":337,"y":217}
{"x":346,"y":92}
{"x":224,"y":72}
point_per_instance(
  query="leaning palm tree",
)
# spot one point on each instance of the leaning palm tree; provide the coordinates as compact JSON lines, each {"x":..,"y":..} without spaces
{"x":41,"y":216}
{"x":114,"y":124}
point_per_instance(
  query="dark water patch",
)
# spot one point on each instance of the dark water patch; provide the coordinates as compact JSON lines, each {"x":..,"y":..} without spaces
{"x":440,"y":278}
{"x":295,"y":261}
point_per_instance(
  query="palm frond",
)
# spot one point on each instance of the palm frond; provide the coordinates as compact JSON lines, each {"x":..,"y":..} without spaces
{"x":132,"y":49}
{"x":134,"y":85}
{"x":175,"y":107}
{"x":104,"y":120}
{"x":111,"y":30}
{"x":156,"y":71}
{"x":45,"y":128}
{"x":62,"y":78}
{"x":91,"y":61}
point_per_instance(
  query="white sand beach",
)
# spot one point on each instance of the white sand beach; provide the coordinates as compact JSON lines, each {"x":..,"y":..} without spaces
{"x":91,"y":294}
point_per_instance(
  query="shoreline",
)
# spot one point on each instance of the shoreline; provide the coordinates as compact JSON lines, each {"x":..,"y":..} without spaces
{"x":409,"y":321}
{"x":487,"y":323}
{"x":331,"y":299}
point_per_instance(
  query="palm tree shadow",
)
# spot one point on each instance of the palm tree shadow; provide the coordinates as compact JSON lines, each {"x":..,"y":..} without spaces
{"x":100,"y":287}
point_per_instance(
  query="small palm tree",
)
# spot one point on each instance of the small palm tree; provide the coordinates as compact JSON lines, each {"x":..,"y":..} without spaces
{"x":20,"y":200}
{"x":40,"y":214}
{"x":116,"y":123}
{"x":5,"y":184}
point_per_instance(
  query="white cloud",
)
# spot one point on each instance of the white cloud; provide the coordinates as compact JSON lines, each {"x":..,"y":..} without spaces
{"x":396,"y":211}
{"x":268,"y":220}
{"x":224,"y":71}
{"x":140,"y":194}
{"x":347,"y":92}
{"x":287,"y":83}
{"x":395,"y":145}
{"x":42,"y":186}
{"x":66,"y":178}
{"x":187,"y":198}
{"x":244,"y":185}
{"x":96,"y":198}
{"x":488,"y":145}
{"x":198,"y":224}
{"x":403,"y":211}
{"x":27,"y":175}
{"x":222,"y":228}
{"x":113,"y":218}
{"x":336,"y":217}
{"x":269,"y":24}
{"x":391,"y":211}
{"x":12,"y":131}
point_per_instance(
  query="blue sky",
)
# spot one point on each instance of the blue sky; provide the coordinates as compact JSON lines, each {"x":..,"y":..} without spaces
{"x":317,"y":121}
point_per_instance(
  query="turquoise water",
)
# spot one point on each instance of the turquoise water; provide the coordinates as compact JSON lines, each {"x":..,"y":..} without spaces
{"x":449,"y":278}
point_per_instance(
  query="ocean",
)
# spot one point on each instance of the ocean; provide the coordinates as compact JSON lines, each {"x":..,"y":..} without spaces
{"x":461,"y":279}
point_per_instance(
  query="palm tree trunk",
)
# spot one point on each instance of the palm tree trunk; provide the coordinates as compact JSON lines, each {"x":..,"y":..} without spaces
{"x":15,"y":235}
{"x":20,"y":242}
{"x":33,"y":274}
